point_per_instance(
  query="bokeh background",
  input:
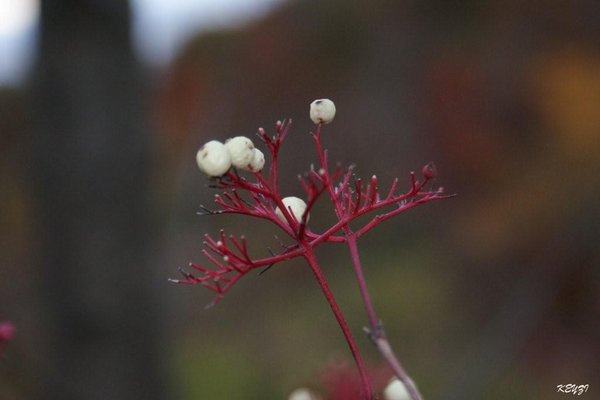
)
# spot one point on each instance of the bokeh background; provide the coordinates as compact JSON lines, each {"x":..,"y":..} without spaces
{"x":494,"y":294}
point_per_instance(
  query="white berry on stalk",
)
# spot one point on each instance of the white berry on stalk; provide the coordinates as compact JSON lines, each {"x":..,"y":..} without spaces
{"x":213,"y":158}
{"x":241,"y":150}
{"x":396,"y":390}
{"x":297,"y":207}
{"x":257,"y":163}
{"x":304,"y":394}
{"x":322,"y":111}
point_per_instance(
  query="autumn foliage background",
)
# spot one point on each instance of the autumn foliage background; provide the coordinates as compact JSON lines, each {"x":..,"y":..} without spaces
{"x":492,"y":295}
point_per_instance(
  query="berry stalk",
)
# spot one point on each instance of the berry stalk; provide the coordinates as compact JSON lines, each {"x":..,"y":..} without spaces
{"x":339,"y":316}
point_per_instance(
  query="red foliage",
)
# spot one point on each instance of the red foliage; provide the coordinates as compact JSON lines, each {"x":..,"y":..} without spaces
{"x":7,"y":333}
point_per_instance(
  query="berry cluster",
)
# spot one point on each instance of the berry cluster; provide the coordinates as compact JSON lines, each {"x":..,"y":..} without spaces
{"x":216,"y":158}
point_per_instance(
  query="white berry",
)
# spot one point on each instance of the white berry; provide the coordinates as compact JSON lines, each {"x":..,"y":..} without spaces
{"x":213,"y":158}
{"x":396,"y":390}
{"x":297,"y":207}
{"x":322,"y":111}
{"x":303,"y":394}
{"x":241,"y":150}
{"x":257,"y":163}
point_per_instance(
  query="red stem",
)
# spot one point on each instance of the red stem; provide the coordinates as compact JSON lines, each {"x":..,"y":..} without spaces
{"x":362,"y":284}
{"x":312,"y":261}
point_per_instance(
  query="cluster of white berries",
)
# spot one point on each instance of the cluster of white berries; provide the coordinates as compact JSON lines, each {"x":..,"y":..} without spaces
{"x":216,"y":158}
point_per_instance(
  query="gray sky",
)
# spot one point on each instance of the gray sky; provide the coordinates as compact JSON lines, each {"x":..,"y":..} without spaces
{"x":160,"y":27}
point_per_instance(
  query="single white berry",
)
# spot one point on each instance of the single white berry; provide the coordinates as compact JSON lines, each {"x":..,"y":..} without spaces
{"x":241,"y":150}
{"x":213,"y":158}
{"x":303,"y":394}
{"x":297,"y":207}
{"x":396,"y":390}
{"x":257,"y":163}
{"x":322,"y":111}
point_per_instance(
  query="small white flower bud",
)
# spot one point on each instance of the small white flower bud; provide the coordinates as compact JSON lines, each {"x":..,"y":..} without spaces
{"x":298,"y":206}
{"x":241,"y":150}
{"x":322,"y":111}
{"x":304,"y":394}
{"x":213,"y":158}
{"x":257,"y":163}
{"x":396,"y":390}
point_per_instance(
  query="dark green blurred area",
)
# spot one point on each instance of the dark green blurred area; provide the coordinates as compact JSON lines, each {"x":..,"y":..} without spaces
{"x":494,"y":294}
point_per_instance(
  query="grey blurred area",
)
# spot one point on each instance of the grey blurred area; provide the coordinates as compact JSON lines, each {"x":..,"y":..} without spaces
{"x":89,"y":155}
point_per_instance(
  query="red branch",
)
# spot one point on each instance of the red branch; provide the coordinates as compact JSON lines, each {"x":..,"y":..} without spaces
{"x":258,"y":196}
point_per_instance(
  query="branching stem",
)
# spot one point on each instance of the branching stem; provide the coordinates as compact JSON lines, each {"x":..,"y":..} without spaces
{"x":316,"y":269}
{"x":351,"y":199}
{"x":376,"y":330}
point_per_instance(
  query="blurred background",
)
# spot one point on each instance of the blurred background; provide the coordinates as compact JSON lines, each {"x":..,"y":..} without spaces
{"x":494,"y":294}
